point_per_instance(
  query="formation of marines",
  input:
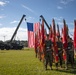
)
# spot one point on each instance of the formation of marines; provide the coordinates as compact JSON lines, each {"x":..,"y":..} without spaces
{"x":48,"y":54}
{"x":55,"y":48}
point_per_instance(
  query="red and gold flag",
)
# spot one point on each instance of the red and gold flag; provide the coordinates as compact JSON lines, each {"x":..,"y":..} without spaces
{"x":50,"y":33}
{"x":54,"y":41}
{"x":58,"y":31}
{"x":75,"y":34}
{"x":65,"y":36}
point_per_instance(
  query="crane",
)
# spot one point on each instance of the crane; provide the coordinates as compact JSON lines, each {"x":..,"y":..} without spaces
{"x":14,"y":44}
{"x":17,"y":28}
{"x":45,"y":21}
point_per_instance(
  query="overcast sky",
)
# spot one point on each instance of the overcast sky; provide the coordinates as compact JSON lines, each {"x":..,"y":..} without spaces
{"x":11,"y":12}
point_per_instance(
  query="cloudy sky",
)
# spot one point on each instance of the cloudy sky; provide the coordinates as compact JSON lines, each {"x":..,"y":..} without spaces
{"x":11,"y":12}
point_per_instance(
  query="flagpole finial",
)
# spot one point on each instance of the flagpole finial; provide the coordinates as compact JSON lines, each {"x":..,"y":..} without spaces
{"x":64,"y":21}
{"x":53,"y":19}
{"x":74,"y":21}
{"x":50,"y":25}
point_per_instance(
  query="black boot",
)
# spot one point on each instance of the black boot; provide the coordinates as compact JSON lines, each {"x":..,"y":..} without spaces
{"x":56,"y":66}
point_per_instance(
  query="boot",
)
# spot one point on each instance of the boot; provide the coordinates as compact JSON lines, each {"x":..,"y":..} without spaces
{"x":60,"y":66}
{"x":51,"y":68}
{"x":56,"y":66}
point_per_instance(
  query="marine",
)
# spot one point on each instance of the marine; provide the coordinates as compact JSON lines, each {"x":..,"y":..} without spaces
{"x":48,"y":52}
{"x":60,"y":51}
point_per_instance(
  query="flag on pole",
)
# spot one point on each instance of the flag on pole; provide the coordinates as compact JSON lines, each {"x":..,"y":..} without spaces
{"x":42,"y":40}
{"x":50,"y":33}
{"x":42,"y":29}
{"x":30,"y":35}
{"x":54,"y":41}
{"x":36,"y":34}
{"x":75,"y":34}
{"x":65,"y":36}
{"x":62,"y":35}
{"x":36,"y":30}
{"x":58,"y":32}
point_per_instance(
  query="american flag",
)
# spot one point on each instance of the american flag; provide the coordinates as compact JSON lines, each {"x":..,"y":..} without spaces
{"x":30,"y":35}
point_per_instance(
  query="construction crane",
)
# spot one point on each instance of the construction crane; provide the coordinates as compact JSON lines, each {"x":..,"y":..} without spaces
{"x":45,"y":21}
{"x":17,"y":28}
{"x":13,"y":44}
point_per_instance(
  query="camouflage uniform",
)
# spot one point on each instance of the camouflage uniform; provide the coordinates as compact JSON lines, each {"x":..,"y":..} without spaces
{"x":48,"y":54}
{"x":60,"y":52}
{"x":70,"y":54}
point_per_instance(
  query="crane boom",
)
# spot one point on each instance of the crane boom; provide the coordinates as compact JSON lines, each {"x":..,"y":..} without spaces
{"x":45,"y":22}
{"x":17,"y":28}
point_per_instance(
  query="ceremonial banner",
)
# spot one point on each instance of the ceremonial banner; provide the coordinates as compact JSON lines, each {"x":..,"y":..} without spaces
{"x":36,"y":32}
{"x":65,"y":36}
{"x":42,"y":40}
{"x":50,"y":33}
{"x":75,"y":34}
{"x":54,"y":41}
{"x":58,"y":32}
{"x":42,"y":29}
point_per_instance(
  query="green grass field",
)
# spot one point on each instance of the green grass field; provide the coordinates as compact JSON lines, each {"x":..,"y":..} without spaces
{"x":23,"y":62}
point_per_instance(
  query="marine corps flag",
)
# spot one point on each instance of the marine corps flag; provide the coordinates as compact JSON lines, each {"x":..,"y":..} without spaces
{"x":30,"y":35}
{"x":50,"y":33}
{"x":42,"y":29}
{"x":36,"y":34}
{"x":54,"y":41}
{"x":42,"y":39}
{"x":58,"y":32}
{"x":65,"y":36}
{"x":75,"y":34}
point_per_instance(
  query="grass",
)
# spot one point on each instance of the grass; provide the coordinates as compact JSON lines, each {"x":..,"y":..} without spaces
{"x":23,"y":62}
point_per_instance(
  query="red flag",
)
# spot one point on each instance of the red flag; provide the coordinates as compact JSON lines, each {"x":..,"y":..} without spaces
{"x":54,"y":41}
{"x":62,"y":35}
{"x":75,"y":34}
{"x":30,"y":35}
{"x":35,"y":43}
{"x":36,"y":36}
{"x":58,"y":32}
{"x":65,"y":35}
{"x":42,"y":29}
{"x":42,"y":40}
{"x":36,"y":30}
{"x":50,"y":33}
